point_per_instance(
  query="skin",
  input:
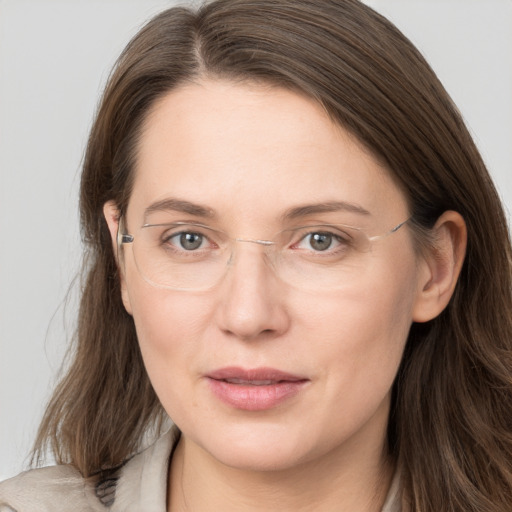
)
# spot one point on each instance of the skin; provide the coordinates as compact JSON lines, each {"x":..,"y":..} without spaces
{"x":249,"y":153}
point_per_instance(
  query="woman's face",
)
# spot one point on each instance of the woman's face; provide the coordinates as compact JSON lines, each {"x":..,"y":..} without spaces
{"x":258,"y":372}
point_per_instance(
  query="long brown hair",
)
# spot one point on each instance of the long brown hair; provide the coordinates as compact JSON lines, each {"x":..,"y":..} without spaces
{"x":450,"y":428}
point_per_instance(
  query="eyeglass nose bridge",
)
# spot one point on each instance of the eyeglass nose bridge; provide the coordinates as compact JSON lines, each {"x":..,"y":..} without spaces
{"x":255,"y":241}
{"x":265,"y":243}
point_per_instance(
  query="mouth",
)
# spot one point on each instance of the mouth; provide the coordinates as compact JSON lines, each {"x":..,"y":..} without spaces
{"x":256,"y":389}
{"x":252,"y":382}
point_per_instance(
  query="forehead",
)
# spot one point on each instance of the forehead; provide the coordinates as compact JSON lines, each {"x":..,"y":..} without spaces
{"x":253,"y":151}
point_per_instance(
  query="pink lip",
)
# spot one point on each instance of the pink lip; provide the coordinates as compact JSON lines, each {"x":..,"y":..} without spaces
{"x":256,"y":389}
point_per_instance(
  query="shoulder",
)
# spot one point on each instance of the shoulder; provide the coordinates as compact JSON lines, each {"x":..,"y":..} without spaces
{"x":140,"y":484}
{"x":55,"y":489}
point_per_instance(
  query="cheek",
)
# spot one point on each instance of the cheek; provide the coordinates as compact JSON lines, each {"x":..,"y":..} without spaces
{"x":362,"y":331}
{"x":359,"y":338}
{"x":164,"y":319}
{"x":360,"y":345}
{"x":169,"y":327}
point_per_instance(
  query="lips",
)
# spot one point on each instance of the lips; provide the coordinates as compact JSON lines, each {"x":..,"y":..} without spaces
{"x":256,"y":389}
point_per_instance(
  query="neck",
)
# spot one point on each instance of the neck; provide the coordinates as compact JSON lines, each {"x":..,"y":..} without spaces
{"x":333,"y":482}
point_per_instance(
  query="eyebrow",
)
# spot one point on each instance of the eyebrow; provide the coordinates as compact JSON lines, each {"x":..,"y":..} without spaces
{"x":328,"y":207}
{"x":197,"y":210}
{"x":179,"y":205}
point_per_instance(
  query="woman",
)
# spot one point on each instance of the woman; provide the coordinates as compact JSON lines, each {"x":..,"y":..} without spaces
{"x":296,"y":254}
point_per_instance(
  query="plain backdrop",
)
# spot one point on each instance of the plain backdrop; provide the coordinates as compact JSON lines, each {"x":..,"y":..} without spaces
{"x":55,"y":56}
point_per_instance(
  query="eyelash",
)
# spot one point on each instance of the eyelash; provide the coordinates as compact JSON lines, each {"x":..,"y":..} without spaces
{"x":341,"y":242}
{"x":166,"y":241}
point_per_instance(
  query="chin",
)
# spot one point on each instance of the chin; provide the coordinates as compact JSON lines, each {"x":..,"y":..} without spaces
{"x":257,"y":458}
{"x":258,"y":447}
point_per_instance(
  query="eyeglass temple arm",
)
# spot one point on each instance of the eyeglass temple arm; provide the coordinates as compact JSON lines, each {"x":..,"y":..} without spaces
{"x":125,"y":239}
{"x":391,"y":231}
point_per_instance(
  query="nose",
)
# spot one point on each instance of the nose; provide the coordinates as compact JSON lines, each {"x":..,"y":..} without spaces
{"x":252,"y":300}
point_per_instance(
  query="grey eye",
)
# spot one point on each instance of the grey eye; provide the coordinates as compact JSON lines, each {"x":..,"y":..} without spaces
{"x":320,"y":241}
{"x":190,"y":241}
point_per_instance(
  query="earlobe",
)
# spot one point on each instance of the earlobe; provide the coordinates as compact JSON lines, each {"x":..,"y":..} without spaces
{"x":440,"y":266}
{"x":111,"y":214}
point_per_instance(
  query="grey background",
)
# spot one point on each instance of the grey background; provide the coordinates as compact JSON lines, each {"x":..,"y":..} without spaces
{"x":55,"y":56}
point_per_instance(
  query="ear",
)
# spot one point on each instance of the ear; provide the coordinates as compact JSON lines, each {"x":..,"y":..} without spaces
{"x":440,"y":266}
{"x":111,"y":213}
